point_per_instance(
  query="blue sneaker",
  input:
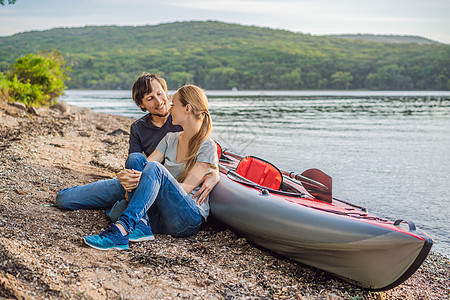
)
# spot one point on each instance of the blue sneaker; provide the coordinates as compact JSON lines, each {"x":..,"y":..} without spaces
{"x":141,"y":233}
{"x":110,"y":239}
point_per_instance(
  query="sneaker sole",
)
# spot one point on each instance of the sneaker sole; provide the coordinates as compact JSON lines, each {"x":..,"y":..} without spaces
{"x":119,"y":247}
{"x":144,"y":238}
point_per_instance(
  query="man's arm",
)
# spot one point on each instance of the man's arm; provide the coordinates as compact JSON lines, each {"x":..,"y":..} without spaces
{"x":208,"y":182}
{"x":130,"y":178}
{"x":134,"y":142}
{"x":195,"y":176}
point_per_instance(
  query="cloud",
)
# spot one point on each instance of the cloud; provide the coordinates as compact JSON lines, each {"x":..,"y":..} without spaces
{"x":412,"y":17}
{"x":326,"y":8}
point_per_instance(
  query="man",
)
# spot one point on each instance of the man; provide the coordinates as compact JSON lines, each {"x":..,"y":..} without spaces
{"x":150,"y":94}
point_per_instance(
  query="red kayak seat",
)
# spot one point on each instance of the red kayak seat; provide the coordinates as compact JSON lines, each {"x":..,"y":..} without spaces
{"x":219,"y":150}
{"x":260,"y":172}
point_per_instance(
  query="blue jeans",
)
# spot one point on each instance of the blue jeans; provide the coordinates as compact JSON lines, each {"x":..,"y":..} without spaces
{"x":104,"y":194}
{"x":170,"y":209}
{"x":101,"y":194}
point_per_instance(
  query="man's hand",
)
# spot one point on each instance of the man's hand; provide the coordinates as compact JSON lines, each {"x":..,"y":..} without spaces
{"x":208,"y":182}
{"x":129,"y":179}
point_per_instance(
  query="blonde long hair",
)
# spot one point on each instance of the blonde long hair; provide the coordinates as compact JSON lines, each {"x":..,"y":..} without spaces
{"x":196,"y":98}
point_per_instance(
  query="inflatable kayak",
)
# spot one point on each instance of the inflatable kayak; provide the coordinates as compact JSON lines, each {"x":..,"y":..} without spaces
{"x":297,"y":217}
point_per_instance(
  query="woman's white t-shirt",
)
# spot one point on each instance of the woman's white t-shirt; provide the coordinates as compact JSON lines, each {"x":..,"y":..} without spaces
{"x":207,"y":153}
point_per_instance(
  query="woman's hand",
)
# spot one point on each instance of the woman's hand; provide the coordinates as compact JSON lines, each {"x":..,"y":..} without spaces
{"x":129,"y":179}
{"x":208,"y":182}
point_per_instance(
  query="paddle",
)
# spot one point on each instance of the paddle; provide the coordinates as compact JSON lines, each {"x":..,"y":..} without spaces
{"x":318,"y":192}
{"x":315,"y":181}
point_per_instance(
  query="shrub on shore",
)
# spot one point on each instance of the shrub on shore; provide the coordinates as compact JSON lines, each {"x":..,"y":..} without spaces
{"x":4,"y":94}
{"x":36,"y":79}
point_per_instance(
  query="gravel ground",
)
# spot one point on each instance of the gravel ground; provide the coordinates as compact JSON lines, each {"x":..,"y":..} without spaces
{"x":42,"y":254}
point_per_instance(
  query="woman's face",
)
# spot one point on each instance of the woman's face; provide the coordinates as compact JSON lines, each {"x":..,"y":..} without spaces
{"x":177,"y":110}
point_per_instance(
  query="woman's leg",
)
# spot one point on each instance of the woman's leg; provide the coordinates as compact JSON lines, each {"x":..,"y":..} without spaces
{"x":178,"y":214}
{"x":135,"y":161}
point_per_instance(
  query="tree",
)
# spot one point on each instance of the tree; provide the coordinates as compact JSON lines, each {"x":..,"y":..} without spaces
{"x":291,"y":80}
{"x":2,"y":2}
{"x":219,"y":78}
{"x":442,"y":83}
{"x":240,"y":56}
{"x":38,"y":79}
{"x":341,"y":79}
{"x":390,"y":77}
{"x":314,"y":80}
{"x":177,"y":79}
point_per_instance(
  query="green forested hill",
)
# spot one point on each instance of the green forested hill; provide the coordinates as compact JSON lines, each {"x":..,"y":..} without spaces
{"x":386,"y":38}
{"x":217,"y":55}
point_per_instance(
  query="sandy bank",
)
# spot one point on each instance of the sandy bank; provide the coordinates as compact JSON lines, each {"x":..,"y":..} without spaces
{"x":41,"y":249}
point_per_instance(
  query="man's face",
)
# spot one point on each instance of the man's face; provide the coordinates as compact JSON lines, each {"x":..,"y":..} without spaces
{"x":156,"y":102}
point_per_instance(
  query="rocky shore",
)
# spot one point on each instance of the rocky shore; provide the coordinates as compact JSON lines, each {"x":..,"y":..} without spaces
{"x":42,"y":254}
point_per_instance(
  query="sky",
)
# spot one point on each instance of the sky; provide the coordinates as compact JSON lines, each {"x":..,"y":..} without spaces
{"x":425,"y":18}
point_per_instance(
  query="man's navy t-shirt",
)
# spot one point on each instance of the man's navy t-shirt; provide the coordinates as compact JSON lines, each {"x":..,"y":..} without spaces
{"x":145,"y":136}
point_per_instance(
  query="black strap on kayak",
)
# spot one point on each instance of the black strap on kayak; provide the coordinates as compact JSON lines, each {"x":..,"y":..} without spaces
{"x":411,"y":225}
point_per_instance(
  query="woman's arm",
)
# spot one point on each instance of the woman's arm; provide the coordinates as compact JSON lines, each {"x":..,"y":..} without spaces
{"x":195,"y":176}
{"x":156,"y":156}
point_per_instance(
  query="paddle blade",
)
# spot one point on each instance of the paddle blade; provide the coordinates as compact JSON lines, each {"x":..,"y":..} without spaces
{"x":317,"y":192}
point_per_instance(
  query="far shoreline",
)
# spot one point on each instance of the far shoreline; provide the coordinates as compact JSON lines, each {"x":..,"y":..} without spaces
{"x":298,"y":92}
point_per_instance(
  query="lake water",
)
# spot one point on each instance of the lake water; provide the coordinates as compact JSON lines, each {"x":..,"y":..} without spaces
{"x":387,"y":151}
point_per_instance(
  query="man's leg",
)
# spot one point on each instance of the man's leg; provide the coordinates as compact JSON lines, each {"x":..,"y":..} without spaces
{"x":118,"y":208}
{"x":101,"y":194}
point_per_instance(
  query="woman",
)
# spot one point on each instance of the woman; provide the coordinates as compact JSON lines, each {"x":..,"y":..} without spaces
{"x":188,"y":155}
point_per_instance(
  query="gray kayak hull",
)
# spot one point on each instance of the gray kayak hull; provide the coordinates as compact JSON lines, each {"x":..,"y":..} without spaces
{"x":370,"y":255}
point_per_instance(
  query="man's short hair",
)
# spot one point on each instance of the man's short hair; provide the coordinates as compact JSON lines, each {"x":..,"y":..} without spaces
{"x":143,"y":85}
